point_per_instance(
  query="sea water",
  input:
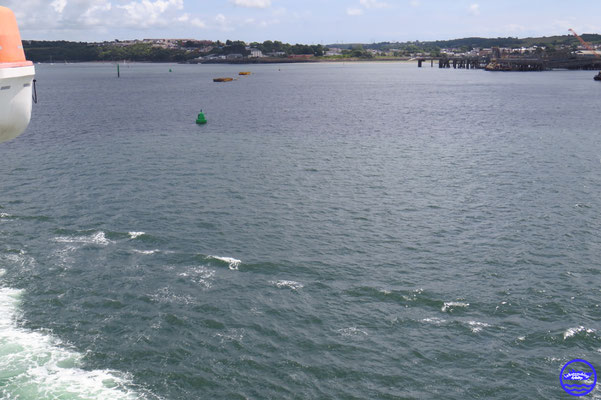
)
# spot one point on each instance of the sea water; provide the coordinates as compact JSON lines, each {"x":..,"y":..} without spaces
{"x":336,"y":231}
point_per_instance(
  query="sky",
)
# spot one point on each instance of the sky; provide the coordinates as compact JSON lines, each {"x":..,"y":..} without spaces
{"x":307,"y":21}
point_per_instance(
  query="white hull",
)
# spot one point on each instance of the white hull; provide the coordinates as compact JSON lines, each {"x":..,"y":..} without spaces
{"x":15,"y":100}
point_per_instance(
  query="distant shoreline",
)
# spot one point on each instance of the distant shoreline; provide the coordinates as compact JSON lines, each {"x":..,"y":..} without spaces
{"x":267,"y":60}
{"x":241,"y":62}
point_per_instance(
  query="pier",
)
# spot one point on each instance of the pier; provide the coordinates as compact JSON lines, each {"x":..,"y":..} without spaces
{"x":461,"y":62}
{"x":515,"y":63}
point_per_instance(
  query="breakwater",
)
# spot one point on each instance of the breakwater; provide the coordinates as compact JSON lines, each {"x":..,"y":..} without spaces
{"x":515,"y":63}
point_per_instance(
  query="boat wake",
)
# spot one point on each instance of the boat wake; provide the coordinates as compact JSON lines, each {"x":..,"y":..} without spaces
{"x":232,"y":262}
{"x":36,"y":365}
{"x":97,"y":238}
{"x":287,"y":284}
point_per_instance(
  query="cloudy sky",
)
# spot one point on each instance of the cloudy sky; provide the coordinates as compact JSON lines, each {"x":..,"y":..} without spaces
{"x":306,"y":21}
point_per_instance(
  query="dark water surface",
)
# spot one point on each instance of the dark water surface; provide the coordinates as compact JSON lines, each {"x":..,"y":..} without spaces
{"x":336,"y":231}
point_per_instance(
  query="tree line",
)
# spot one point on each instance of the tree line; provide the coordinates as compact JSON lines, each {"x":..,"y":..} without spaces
{"x":57,"y":51}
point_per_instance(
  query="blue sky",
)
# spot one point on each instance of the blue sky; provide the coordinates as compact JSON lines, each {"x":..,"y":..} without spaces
{"x":308,"y":21}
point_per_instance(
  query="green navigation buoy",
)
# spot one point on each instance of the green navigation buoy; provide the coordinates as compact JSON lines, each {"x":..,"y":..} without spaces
{"x":201,"y":118}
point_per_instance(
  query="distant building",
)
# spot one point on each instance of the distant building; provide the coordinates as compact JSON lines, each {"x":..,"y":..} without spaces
{"x":196,"y":43}
{"x":276,"y":54}
{"x":256,"y":53}
{"x":333,"y":51}
{"x":234,"y":56}
{"x":587,"y":53}
{"x":125,"y":43}
{"x":167,"y":43}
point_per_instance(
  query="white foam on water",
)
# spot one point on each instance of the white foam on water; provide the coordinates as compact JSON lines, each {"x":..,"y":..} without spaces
{"x":476,"y":326}
{"x":146,"y":252}
{"x":97,"y":238}
{"x":352,"y":331}
{"x":35,"y":365}
{"x":574,"y":331}
{"x":449,"y":306}
{"x":2,"y":272}
{"x":5,"y":215}
{"x":199,"y":275}
{"x":287,"y":284}
{"x":64,"y":256}
{"x":232,"y":262}
{"x":134,"y":235}
{"x":434,"y":320}
{"x":167,"y":295}
{"x":232,"y":335}
{"x":20,"y":260}
{"x":503,"y":303}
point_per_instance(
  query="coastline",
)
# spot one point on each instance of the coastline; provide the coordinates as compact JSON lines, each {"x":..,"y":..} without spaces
{"x":267,"y":60}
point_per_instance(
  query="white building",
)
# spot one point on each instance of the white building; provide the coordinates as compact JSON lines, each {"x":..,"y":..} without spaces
{"x":256,"y":53}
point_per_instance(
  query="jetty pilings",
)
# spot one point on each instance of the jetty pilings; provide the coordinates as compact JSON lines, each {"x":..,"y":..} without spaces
{"x":515,"y":62}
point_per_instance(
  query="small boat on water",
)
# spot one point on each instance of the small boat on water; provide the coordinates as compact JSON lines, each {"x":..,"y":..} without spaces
{"x":597,"y":77}
{"x":223,"y":79}
{"x":243,"y":73}
{"x":16,"y":79}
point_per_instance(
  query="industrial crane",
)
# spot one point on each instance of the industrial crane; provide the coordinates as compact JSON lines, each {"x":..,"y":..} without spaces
{"x":585,"y":44}
{"x":588,"y":46}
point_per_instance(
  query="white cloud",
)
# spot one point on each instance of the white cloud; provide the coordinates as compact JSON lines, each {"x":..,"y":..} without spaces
{"x":94,"y":15}
{"x":59,"y":5}
{"x":365,"y":5}
{"x":252,"y":3}
{"x":373,"y":4}
{"x":354,"y":11}
{"x":146,"y":13}
{"x":474,"y":9}
{"x":232,"y":23}
{"x":223,"y":23}
{"x":198,"y":23}
{"x":195,"y":22}
{"x":414,"y":3}
{"x":41,"y":16}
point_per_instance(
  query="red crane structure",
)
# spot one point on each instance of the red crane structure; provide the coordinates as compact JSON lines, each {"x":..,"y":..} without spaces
{"x":585,"y":44}
{"x":588,"y":46}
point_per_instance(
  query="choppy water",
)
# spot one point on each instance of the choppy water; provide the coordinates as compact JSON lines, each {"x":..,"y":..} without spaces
{"x":341,"y":231}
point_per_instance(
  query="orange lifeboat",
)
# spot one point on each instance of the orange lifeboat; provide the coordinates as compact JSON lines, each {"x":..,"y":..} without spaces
{"x":16,"y":79}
